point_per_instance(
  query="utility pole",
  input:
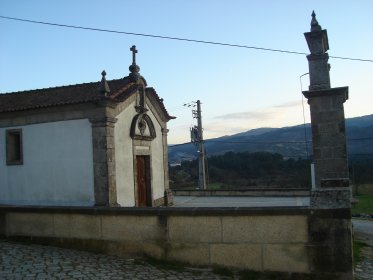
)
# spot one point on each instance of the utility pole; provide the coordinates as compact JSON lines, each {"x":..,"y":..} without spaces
{"x":197,"y":138}
{"x":201,"y":149}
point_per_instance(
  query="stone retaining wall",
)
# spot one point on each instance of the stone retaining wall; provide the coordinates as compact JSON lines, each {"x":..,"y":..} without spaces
{"x":261,"y":239}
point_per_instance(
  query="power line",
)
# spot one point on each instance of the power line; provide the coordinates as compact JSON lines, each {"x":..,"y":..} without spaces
{"x":176,"y":38}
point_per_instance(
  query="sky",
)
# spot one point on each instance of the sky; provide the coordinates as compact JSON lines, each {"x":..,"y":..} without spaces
{"x":239,"y":88}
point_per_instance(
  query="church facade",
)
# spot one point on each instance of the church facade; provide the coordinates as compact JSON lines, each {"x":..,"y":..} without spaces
{"x":91,"y":144}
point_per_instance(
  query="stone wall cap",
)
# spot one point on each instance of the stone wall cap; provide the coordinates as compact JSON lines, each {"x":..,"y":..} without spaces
{"x":255,"y":192}
{"x":327,"y":92}
{"x":160,"y":211}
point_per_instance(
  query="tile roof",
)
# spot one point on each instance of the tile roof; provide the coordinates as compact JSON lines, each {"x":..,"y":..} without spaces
{"x":120,"y":90}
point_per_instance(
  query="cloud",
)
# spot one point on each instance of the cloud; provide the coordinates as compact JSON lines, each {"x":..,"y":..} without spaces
{"x":284,"y":114}
{"x":222,"y":128}
{"x":264,"y":115}
{"x":288,"y":104}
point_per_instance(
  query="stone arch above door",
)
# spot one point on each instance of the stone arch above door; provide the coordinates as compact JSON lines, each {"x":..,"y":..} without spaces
{"x":142,"y":128}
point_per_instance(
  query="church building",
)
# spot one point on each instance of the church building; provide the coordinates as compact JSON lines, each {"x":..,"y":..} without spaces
{"x":92,"y":144}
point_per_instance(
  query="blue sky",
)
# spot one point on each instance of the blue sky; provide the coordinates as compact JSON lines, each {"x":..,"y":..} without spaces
{"x":240,"y":89}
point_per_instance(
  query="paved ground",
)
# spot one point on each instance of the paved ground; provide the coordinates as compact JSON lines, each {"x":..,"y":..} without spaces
{"x":239,"y":201}
{"x":363,"y":231}
{"x":21,"y":261}
{"x":364,"y":269}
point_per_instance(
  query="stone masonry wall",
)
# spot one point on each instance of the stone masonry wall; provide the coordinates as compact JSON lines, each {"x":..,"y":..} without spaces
{"x":259,"y":239}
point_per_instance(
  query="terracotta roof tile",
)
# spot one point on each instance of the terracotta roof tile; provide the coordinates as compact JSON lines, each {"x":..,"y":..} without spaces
{"x":120,"y":90}
{"x":152,"y":91}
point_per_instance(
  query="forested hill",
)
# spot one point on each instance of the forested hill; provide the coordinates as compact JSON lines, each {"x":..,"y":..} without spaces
{"x":287,"y":141}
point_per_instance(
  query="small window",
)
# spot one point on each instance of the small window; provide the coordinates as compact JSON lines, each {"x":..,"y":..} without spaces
{"x":14,"y":153}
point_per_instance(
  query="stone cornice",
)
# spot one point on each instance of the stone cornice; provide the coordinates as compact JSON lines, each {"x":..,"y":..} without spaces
{"x":104,"y":121}
{"x":342,"y":91}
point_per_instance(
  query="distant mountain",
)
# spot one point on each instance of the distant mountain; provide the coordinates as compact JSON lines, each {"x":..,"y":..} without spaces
{"x":255,"y":132}
{"x":288,"y":141}
{"x":363,"y":121}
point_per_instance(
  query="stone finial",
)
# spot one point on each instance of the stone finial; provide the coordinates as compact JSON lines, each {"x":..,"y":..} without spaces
{"x":317,"y":38}
{"x":104,"y":86}
{"x":314,"y":23}
{"x":134,"y":68}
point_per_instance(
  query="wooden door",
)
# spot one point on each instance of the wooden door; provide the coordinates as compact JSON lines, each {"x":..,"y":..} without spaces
{"x":143,"y":181}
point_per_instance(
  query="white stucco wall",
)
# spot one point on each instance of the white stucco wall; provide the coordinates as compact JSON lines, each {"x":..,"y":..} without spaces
{"x":57,"y":165}
{"x":157,"y":160}
{"x":124,"y":157}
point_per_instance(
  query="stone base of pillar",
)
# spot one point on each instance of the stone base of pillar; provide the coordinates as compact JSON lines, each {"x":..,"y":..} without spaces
{"x":331,"y":198}
{"x":169,"y":198}
{"x":330,"y":238}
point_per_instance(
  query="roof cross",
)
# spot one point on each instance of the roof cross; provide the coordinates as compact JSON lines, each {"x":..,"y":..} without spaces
{"x":134,"y":52}
{"x":134,"y":68}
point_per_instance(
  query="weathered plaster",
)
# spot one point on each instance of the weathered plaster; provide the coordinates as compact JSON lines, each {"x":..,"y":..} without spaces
{"x":57,"y":165}
{"x":124,"y":157}
{"x":157,"y":163}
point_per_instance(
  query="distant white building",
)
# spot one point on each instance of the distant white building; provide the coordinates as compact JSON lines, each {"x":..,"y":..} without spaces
{"x":175,"y":164}
{"x":101,"y":143}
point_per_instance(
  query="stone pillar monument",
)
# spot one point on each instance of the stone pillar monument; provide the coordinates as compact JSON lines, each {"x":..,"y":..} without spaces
{"x":330,"y":219}
{"x":327,"y":115}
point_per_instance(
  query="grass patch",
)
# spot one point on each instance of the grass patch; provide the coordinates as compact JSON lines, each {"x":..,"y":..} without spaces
{"x":362,"y":189}
{"x":364,"y":195}
{"x":357,"y":251}
{"x":364,"y":204}
{"x":215,"y":186}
